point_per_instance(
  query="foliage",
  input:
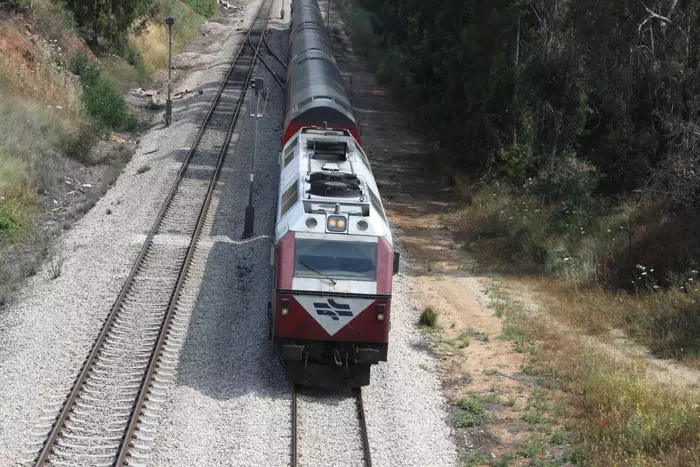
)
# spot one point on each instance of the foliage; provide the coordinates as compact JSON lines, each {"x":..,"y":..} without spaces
{"x":151,"y":38}
{"x":428,"y":318}
{"x":203,"y":7}
{"x":109,"y":20}
{"x":515,"y":88}
{"x":102,"y":103}
{"x":472,"y":413}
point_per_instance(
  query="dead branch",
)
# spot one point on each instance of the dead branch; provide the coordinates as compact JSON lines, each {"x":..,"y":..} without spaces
{"x":651,"y":16}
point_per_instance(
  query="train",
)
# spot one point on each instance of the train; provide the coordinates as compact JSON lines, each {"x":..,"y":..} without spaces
{"x":333,"y":256}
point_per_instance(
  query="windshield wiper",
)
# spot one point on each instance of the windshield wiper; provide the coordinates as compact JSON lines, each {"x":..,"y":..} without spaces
{"x":318,"y":272}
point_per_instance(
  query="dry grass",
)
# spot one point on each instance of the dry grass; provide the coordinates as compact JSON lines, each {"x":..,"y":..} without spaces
{"x":616,"y":407}
{"x":153,"y":41}
{"x":28,"y":73}
{"x":153,"y":45}
{"x":596,"y":268}
{"x":631,"y":266}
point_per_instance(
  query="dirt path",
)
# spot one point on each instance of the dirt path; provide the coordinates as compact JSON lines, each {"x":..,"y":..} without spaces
{"x":480,"y":362}
{"x":440,"y":277}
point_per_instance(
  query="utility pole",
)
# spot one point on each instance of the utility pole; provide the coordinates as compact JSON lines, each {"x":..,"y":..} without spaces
{"x":258,"y":85}
{"x":169,"y":103}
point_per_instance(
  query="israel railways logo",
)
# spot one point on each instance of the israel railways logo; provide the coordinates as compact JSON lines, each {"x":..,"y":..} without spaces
{"x":333,"y":309}
{"x":332,"y":313}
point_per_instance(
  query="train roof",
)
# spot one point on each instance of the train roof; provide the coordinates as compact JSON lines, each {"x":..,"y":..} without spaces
{"x":325,"y":172}
{"x":316,"y":93}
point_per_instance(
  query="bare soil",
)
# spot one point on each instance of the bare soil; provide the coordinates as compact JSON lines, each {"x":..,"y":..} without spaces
{"x":405,"y":165}
{"x":444,"y":277}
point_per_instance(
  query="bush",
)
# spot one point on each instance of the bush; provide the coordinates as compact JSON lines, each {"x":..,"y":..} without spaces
{"x":103,"y":104}
{"x":428,"y":318}
{"x":12,"y":226}
{"x":203,"y":7}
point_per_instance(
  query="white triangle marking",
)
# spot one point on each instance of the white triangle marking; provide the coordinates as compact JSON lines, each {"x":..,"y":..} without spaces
{"x":333,"y":313}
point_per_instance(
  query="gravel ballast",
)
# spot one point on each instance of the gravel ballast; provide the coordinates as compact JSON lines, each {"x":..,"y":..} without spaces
{"x":46,"y":335}
{"x":228,"y":403}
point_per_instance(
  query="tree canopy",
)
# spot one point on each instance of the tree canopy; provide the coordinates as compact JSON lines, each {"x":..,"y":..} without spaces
{"x":518,"y":86}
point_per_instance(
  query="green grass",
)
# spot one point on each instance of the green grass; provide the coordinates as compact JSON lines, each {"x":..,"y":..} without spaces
{"x":463,"y":339}
{"x":122,"y":75}
{"x":475,"y":458}
{"x":428,"y":318}
{"x":532,"y":449}
{"x":13,"y":223}
{"x":103,"y":104}
{"x":203,"y":7}
{"x":472,"y":413}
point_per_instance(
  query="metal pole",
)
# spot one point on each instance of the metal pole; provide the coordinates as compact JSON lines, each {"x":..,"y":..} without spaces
{"x":169,"y":102}
{"x":258,"y":84}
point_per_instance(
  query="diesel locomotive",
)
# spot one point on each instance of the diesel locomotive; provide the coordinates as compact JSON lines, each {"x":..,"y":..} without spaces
{"x":333,"y":254}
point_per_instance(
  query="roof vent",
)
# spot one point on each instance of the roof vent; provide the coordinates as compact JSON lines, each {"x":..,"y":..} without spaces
{"x":331,"y":167}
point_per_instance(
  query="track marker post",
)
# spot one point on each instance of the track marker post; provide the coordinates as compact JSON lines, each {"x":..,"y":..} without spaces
{"x":257,"y":99}
{"x":169,"y":103}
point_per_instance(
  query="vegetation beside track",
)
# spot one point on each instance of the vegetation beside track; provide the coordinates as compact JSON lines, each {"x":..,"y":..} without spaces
{"x":574,"y":182}
{"x":64,"y":67}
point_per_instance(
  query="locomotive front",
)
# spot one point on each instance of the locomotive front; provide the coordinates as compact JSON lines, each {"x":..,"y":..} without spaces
{"x":333,"y":253}
{"x":334,"y":263}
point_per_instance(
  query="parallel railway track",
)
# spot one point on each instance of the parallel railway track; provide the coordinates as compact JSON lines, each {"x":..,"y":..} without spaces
{"x":362,"y":428}
{"x":107,"y":416}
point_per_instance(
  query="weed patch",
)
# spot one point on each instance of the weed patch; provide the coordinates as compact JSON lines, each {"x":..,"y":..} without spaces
{"x":472,"y":413}
{"x":152,"y":42}
{"x":428,"y":318}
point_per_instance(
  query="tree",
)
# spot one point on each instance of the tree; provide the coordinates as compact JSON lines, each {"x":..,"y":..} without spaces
{"x":107,"y":20}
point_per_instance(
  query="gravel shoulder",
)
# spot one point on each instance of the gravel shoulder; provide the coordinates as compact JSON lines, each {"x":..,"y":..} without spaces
{"x":229,"y":403}
{"x":237,"y":405}
{"x":46,"y":334}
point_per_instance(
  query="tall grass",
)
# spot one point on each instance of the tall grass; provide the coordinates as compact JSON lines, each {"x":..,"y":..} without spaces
{"x":626,"y":418}
{"x":153,"y":41}
{"x":618,"y":408}
{"x":25,"y":73}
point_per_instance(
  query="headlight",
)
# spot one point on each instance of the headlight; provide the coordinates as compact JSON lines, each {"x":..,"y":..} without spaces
{"x":336,"y":224}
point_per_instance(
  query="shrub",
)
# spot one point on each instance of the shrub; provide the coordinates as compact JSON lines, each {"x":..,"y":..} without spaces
{"x":103,"y":104}
{"x":12,"y":226}
{"x":203,"y":7}
{"x":428,"y":318}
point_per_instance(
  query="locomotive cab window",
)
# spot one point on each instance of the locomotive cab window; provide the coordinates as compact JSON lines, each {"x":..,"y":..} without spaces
{"x":335,"y":260}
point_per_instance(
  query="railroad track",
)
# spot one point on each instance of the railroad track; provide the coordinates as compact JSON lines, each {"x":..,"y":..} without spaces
{"x":362,"y":456}
{"x":109,"y":415}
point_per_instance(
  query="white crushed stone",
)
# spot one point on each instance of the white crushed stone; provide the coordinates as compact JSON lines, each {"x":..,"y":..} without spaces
{"x":46,"y":335}
{"x":229,"y":403}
